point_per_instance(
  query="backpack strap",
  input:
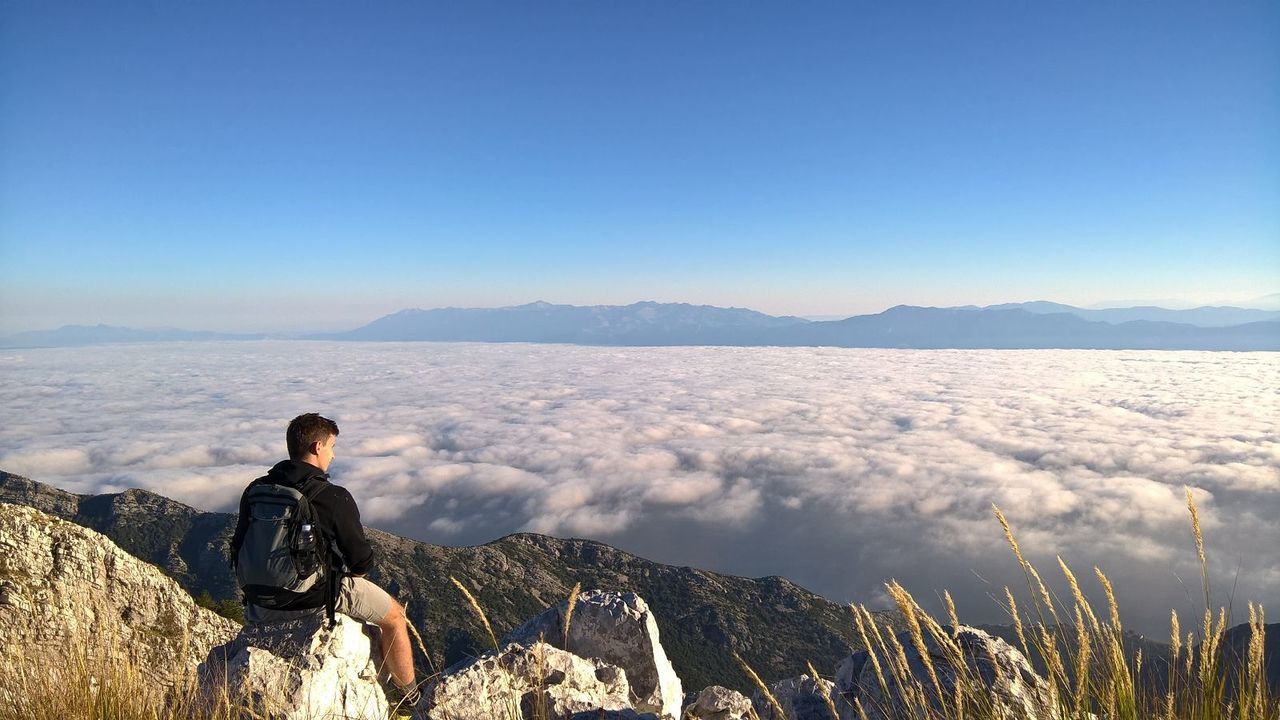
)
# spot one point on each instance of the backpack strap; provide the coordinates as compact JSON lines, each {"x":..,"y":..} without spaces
{"x":334,"y":575}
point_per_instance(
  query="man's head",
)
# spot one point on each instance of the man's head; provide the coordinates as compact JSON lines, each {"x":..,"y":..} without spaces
{"x":310,"y":438}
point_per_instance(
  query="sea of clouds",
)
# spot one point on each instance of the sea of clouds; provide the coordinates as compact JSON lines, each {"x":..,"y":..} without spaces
{"x":837,"y":468}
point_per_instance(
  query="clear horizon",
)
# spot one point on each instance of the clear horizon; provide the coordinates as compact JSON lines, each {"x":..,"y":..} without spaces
{"x":313,"y":166}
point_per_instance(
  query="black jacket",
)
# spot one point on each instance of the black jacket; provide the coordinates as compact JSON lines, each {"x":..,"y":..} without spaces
{"x":336,"y":513}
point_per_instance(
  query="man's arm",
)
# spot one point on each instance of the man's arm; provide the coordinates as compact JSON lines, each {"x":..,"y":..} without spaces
{"x":347,"y":530}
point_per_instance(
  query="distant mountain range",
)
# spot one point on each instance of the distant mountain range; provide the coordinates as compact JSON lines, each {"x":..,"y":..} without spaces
{"x":1030,"y":325}
{"x":1024,"y":325}
{"x":642,"y":323}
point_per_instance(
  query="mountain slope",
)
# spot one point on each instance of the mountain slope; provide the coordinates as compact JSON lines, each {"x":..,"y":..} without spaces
{"x":642,"y":323}
{"x":774,"y":624}
{"x":1207,"y":316}
{"x":906,"y":326}
{"x":64,"y":588}
{"x":1024,"y":326}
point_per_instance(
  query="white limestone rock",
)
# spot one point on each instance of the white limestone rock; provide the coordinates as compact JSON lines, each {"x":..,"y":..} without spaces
{"x":718,"y":703}
{"x":800,"y":698}
{"x":617,"y":628}
{"x":1009,"y":677}
{"x":301,"y":669}
{"x":66,"y":590}
{"x":524,"y":682}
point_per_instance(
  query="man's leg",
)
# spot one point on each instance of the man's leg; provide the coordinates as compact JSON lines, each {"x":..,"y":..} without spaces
{"x":364,"y":601}
{"x":396,"y":652}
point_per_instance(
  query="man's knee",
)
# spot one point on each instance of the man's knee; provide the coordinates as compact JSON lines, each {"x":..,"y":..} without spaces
{"x":394,"y":617}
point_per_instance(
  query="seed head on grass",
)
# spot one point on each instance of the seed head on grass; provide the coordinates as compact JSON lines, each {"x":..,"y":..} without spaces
{"x":475,"y":607}
{"x":871,"y":651}
{"x":1077,"y":595}
{"x":907,"y":606}
{"x":1199,"y":536}
{"x":822,"y":689}
{"x":1082,"y":661}
{"x":568,"y":613}
{"x":1111,"y":601}
{"x":755,"y":680}
{"x":413,"y":630}
{"x":1017,"y":621}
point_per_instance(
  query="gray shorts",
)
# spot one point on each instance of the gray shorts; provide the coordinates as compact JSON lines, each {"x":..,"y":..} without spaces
{"x":357,"y":598}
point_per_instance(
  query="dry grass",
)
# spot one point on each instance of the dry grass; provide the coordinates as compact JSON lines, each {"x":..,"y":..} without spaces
{"x":822,"y":690}
{"x":94,"y":681}
{"x":1088,"y":670}
{"x":475,"y":608}
{"x":764,"y":689}
{"x":568,"y":613}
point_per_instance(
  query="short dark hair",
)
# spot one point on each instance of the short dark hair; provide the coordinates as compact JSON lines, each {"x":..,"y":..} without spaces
{"x":306,"y":429}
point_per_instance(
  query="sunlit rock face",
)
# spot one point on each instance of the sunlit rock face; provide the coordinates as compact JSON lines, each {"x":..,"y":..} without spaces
{"x":1012,"y":685}
{"x":801,"y":698}
{"x":617,"y":628}
{"x":67,"y":590}
{"x":527,"y":681}
{"x":716,"y":703}
{"x":300,"y":669}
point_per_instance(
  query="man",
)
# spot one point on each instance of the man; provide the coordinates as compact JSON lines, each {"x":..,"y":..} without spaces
{"x":310,"y":440}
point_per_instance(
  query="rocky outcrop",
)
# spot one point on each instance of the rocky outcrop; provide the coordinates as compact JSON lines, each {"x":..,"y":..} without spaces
{"x":619,"y":629}
{"x":524,"y":682}
{"x":774,"y":624}
{"x":65,"y":589}
{"x":717,"y":703}
{"x":299,"y":670}
{"x":1004,"y":671}
{"x":801,"y":698}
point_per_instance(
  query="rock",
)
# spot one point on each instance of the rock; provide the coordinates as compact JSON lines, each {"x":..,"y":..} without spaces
{"x":799,"y":697}
{"x":717,"y":703}
{"x":1004,"y":671}
{"x":300,"y":669}
{"x":524,"y":682}
{"x":619,"y":629}
{"x":624,"y":714}
{"x":66,"y":590}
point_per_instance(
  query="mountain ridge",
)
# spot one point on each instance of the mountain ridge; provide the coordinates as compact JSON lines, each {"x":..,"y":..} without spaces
{"x":1038,"y":324}
{"x":772,"y":622}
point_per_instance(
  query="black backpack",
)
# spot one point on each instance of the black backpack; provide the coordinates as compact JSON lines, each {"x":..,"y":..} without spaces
{"x":285,"y":560}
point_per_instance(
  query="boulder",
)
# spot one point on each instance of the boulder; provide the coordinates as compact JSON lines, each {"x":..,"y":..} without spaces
{"x":717,"y":703}
{"x":1005,"y":672}
{"x":69,"y":594}
{"x":526,"y":682}
{"x":300,"y":669}
{"x":619,"y":629}
{"x":800,"y":698}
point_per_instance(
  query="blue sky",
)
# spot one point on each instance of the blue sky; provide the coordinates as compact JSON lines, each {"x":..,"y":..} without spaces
{"x":314,"y":165}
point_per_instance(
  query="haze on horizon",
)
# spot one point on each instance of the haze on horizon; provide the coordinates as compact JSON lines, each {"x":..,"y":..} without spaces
{"x":313,"y":166}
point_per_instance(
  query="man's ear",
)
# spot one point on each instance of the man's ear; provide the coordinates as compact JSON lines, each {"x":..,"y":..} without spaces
{"x":314,"y":449}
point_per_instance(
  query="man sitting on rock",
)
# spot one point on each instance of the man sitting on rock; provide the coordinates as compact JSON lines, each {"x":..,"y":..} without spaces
{"x":310,"y":439}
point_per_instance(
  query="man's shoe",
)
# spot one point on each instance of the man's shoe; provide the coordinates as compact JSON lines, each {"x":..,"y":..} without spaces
{"x":402,"y":702}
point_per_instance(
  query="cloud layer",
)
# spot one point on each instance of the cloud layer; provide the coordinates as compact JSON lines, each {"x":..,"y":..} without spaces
{"x":837,"y":468}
